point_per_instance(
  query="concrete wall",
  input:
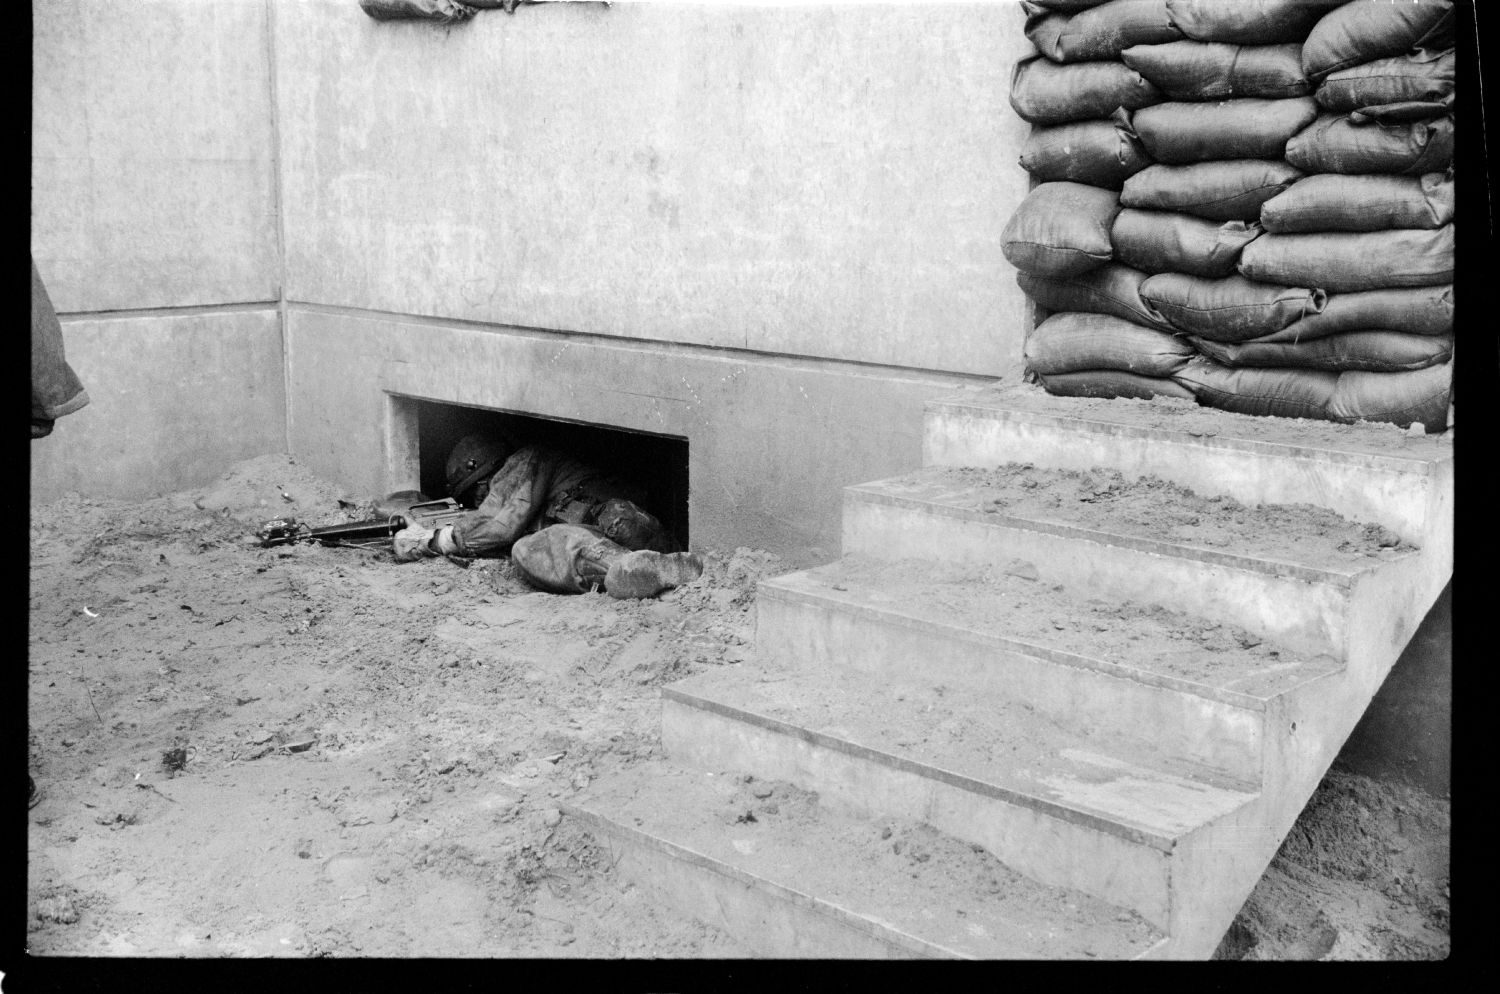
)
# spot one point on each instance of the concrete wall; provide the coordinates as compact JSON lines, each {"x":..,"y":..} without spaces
{"x":153,"y":225}
{"x":174,"y":399}
{"x":817,"y":181}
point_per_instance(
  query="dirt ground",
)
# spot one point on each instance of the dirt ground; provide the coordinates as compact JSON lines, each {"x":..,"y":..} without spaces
{"x":319,"y":752}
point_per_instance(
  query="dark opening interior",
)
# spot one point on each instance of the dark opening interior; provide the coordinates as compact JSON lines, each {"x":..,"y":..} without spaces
{"x":657,"y":463}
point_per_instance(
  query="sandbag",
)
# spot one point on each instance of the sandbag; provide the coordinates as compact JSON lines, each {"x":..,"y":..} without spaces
{"x":1110,"y":289}
{"x":443,"y":11}
{"x":1400,"y":113}
{"x":1197,"y":70}
{"x":1232,"y":309}
{"x":1098,"y":33}
{"x":1284,"y":393}
{"x":1426,"y":310}
{"x":1232,"y":190}
{"x":1363,"y":31}
{"x":1248,"y":128}
{"x":1067,"y":6}
{"x":1419,"y":397}
{"x":1341,"y":261}
{"x":1099,"y":153}
{"x":1425,"y":78}
{"x":1113,"y":384}
{"x":1335,"y":144}
{"x":1060,"y":229}
{"x":1359,"y":203}
{"x":1171,"y":242}
{"x":1044,"y":93}
{"x":1248,"y":22}
{"x":1072,"y":342}
{"x":1373,"y":351}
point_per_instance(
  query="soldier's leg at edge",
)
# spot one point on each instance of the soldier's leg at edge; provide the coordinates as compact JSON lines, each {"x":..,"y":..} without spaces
{"x":565,"y":559}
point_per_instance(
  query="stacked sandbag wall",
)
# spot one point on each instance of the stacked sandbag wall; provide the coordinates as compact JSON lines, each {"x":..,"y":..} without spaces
{"x":1248,"y":203}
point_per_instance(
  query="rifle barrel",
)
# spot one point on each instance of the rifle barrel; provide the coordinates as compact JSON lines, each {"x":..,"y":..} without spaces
{"x":370,"y":528}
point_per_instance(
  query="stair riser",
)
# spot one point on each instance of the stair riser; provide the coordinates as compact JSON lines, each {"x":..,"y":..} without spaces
{"x":1305,"y":615}
{"x":766,"y":918}
{"x":1048,"y":848}
{"x":1404,"y":495}
{"x":801,"y":632}
{"x":1215,"y":869}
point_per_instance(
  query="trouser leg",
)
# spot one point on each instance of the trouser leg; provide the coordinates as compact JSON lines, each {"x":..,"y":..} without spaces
{"x":565,"y":559}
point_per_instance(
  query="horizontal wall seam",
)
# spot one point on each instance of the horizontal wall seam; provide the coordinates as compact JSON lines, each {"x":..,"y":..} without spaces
{"x":186,"y":310}
{"x":953,"y":379}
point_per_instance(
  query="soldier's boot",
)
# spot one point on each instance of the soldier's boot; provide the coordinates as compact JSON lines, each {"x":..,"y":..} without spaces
{"x":646,"y":574}
{"x":593,"y":558}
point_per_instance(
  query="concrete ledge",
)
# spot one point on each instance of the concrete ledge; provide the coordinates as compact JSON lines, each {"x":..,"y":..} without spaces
{"x":806,"y":878}
{"x":800,"y":626}
{"x":913,"y":494}
{"x":770,"y":440}
{"x":1299,"y":606}
{"x":1363,"y":472}
{"x":773,"y":919}
{"x":1045,"y":848}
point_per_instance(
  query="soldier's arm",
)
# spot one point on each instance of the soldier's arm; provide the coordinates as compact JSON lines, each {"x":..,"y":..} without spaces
{"x":518,"y":493}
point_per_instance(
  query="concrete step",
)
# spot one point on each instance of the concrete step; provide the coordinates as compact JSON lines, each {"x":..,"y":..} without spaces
{"x":789,"y":876}
{"x":1285,"y":572}
{"x":1365,"y":472}
{"x":1100,"y":814}
{"x":1112,"y":669}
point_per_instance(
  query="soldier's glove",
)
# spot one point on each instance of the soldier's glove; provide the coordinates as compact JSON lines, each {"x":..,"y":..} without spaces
{"x":442,"y":542}
{"x":412,"y":543}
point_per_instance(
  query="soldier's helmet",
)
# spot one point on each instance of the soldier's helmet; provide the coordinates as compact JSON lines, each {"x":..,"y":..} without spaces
{"x":628,"y":525}
{"x":473,"y":459}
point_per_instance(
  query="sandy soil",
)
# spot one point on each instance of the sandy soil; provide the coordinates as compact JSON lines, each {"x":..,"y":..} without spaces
{"x":1149,"y":507}
{"x":1363,"y":875}
{"x":372,"y":753}
{"x":1008,"y":600}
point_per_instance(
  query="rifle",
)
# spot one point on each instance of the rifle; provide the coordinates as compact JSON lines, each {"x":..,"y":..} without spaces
{"x":372,"y":533}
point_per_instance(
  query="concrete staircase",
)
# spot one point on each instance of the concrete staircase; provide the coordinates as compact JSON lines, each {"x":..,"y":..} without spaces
{"x":1105,"y":729}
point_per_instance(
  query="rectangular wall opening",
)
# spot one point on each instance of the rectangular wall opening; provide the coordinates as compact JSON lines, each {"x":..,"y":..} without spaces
{"x":657,"y":463}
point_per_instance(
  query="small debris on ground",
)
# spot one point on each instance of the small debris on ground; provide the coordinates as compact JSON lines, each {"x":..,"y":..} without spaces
{"x":346,"y":651}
